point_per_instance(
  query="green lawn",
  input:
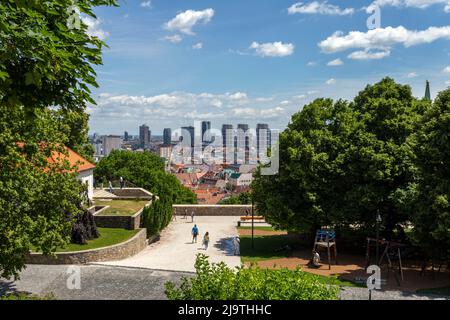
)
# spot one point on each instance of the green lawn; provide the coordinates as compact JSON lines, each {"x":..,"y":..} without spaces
{"x":265,"y":248}
{"x":108,"y":237}
{"x":121,"y":207}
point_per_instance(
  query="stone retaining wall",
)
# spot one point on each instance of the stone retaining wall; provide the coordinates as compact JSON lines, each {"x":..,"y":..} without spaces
{"x":212,"y":210}
{"x":122,"y":222}
{"x":119,"y":251}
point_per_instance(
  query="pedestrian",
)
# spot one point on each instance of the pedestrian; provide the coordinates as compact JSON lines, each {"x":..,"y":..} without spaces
{"x":194,"y":234}
{"x":122,"y":182}
{"x":236,"y":244}
{"x":192,"y":216}
{"x":206,"y":240}
{"x":247,"y":212}
{"x":185,"y":213}
{"x":110,"y":187}
{"x":174,"y":218}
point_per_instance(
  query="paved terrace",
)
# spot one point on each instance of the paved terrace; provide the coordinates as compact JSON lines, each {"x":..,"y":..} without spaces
{"x":176,"y":252}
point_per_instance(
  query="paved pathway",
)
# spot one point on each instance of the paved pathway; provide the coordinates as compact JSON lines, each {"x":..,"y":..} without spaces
{"x":176,"y":252}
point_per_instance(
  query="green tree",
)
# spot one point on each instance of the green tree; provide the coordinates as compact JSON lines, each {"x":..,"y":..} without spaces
{"x":431,"y":215}
{"x":342,"y":162}
{"x":45,"y":70}
{"x":242,"y":198}
{"x":305,"y":195}
{"x":145,"y":170}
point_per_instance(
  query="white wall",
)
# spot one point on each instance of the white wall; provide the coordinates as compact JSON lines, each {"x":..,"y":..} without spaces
{"x":88,"y":177}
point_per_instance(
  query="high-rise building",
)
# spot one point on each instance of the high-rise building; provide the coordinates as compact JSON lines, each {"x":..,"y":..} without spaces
{"x":243,"y":142}
{"x":263,"y":139}
{"x":188,"y":133}
{"x":167,"y":136}
{"x":144,"y":136}
{"x":427,"y":91}
{"x":111,"y":143}
{"x":206,"y":127}
{"x":227,"y":142}
{"x":126,"y":137}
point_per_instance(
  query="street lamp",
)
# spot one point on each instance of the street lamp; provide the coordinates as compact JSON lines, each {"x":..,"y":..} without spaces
{"x":378,"y":220}
{"x":253,"y":221}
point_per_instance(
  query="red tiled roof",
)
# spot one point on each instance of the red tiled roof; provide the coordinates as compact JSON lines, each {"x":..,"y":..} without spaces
{"x":73,"y":158}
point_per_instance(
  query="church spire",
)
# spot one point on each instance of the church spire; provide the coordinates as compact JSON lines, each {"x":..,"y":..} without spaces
{"x":427,"y":91}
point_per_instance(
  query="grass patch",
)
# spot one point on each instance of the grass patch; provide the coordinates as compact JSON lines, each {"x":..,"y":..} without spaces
{"x":121,"y":207}
{"x":265,"y":248}
{"x":108,"y":237}
{"x":443,"y":291}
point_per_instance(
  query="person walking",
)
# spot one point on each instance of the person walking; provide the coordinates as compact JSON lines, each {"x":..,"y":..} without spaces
{"x":206,"y":240}
{"x":236,"y":244}
{"x":122,"y":182}
{"x":185,"y":213}
{"x":194,"y":234}
{"x":192,"y":216}
{"x":110,"y":187}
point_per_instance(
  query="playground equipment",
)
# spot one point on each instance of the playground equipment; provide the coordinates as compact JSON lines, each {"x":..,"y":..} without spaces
{"x":325,"y":239}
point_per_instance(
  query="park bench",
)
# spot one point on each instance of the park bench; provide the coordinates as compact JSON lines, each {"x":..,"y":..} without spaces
{"x":256,"y":219}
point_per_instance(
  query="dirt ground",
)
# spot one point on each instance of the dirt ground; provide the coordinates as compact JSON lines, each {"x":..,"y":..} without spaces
{"x":351,"y":267}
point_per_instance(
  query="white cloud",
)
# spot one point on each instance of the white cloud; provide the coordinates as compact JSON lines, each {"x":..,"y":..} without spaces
{"x":316,"y":7}
{"x":382,"y":39}
{"x":311,"y":64}
{"x":197,"y":46}
{"x":446,"y":69}
{"x":330,"y":81}
{"x":411,"y":75}
{"x":94,"y":29}
{"x":274,"y":49}
{"x":174,"y":39}
{"x":183,"y":105}
{"x":146,"y":4}
{"x":447,"y":82}
{"x":369,"y":55}
{"x":313,"y":92}
{"x":185,"y":21}
{"x":421,"y":4}
{"x":335,"y":63}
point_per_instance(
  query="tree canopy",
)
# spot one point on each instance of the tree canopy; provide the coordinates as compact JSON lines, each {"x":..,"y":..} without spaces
{"x":145,"y":170}
{"x":342,"y":162}
{"x":46,"y":69}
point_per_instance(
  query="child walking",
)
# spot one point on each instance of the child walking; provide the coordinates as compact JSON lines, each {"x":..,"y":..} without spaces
{"x":206,"y":240}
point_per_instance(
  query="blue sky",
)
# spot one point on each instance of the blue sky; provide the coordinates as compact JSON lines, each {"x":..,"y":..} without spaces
{"x":173,"y":62}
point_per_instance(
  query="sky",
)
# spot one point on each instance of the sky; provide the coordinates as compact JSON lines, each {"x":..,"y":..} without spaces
{"x":173,"y":62}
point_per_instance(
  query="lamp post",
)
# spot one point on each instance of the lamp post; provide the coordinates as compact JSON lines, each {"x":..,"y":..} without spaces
{"x":253,"y":222}
{"x":378,"y":220}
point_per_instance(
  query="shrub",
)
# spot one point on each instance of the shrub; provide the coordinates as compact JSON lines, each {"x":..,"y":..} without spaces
{"x":157,"y":216}
{"x":84,"y":228}
{"x":219,"y":282}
